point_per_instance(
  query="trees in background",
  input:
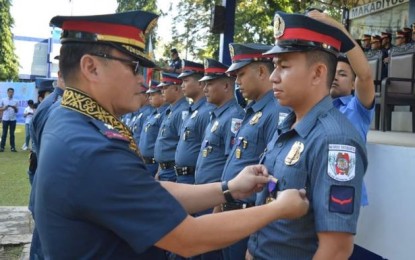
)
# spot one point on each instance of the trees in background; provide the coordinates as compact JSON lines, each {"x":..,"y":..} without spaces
{"x":9,"y":66}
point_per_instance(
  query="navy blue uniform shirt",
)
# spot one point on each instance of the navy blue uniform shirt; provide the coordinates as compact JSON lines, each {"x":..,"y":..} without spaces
{"x":217,"y":144}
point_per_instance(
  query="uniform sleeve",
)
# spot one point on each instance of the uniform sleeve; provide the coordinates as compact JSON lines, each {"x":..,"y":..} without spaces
{"x":336,"y":182}
{"x":365,"y":114}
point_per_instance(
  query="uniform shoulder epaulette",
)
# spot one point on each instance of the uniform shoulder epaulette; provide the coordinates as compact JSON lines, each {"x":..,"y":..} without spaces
{"x":108,"y":130}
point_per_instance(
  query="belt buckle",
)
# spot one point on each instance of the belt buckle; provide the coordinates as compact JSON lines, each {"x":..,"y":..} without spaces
{"x":184,"y":170}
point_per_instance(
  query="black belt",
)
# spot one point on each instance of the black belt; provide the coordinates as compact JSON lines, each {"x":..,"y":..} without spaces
{"x":167,"y":165}
{"x":236,"y":205}
{"x":149,"y":160}
{"x":186,"y":170}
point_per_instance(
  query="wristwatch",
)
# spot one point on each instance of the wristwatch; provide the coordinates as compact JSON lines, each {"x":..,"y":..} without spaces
{"x":227,"y":193}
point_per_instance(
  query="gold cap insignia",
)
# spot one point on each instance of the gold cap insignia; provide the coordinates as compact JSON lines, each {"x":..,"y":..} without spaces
{"x":279,"y":26}
{"x":231,"y":51}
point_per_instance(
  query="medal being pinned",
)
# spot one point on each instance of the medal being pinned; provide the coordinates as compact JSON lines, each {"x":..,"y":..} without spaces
{"x":294,"y":154}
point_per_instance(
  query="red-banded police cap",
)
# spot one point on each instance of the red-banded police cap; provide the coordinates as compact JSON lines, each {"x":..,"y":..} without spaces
{"x":214,"y":69}
{"x":123,"y":31}
{"x":190,"y":68}
{"x":153,"y":87}
{"x":297,"y":32}
{"x":168,"y":79}
{"x":244,"y":54}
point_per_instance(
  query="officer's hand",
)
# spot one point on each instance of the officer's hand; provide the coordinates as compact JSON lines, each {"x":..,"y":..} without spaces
{"x":251,"y":179}
{"x":325,"y":18}
{"x":291,"y":203}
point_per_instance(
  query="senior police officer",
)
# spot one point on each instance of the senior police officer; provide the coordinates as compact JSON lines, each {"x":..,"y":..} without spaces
{"x":263,"y":114}
{"x":141,"y":115}
{"x":94,"y":197}
{"x":151,"y":127}
{"x":169,"y":132}
{"x":316,"y":147}
{"x":193,"y":127}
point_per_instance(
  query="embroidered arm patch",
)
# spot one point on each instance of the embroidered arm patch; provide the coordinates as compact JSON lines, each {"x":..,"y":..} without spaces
{"x":341,"y":199}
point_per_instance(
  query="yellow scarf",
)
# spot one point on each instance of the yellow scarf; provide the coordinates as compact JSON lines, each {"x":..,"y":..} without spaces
{"x":78,"y":101}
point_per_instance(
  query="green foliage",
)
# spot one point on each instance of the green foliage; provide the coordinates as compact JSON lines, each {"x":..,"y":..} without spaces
{"x":9,"y":66}
{"x":14,"y":181}
{"x":131,"y":5}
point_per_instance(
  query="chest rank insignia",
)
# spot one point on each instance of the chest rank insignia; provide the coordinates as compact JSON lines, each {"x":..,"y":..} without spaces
{"x":194,"y":114}
{"x":115,"y":135}
{"x":157,"y":116}
{"x":214,"y":126}
{"x":294,"y":154}
{"x":255,"y":118}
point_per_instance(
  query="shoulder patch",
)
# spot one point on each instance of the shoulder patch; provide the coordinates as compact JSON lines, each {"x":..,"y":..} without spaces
{"x":341,"y":199}
{"x":341,"y":162}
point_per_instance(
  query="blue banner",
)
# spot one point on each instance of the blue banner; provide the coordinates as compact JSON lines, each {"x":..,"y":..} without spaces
{"x":23,"y":91}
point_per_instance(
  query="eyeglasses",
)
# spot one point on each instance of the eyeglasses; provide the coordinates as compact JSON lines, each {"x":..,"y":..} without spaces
{"x":135,"y":65}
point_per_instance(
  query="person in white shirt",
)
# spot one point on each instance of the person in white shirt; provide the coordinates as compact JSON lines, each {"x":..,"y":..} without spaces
{"x":9,"y":107}
{"x":28,"y":114}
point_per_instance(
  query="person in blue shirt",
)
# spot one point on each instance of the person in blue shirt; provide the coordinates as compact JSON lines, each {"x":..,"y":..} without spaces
{"x":169,"y":132}
{"x":315,"y":148}
{"x":94,"y":198}
{"x":353,"y":89}
{"x":151,"y":127}
{"x":194,"y":126}
{"x":263,"y":114}
{"x":141,"y":115}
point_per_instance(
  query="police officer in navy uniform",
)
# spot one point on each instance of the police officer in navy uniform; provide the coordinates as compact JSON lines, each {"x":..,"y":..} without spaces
{"x":141,"y":115}
{"x":225,"y":121}
{"x":169,"y":132}
{"x":151,"y":126}
{"x":263,"y":114}
{"x":193,"y":127}
{"x":94,"y":197}
{"x":36,"y":129}
{"x":219,"y":136}
{"x":366,"y":42}
{"x":316,"y":146}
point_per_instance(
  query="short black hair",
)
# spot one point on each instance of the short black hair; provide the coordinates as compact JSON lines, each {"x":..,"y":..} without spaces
{"x":173,"y":51}
{"x":329,"y":59}
{"x":12,"y":89}
{"x":30,"y":102}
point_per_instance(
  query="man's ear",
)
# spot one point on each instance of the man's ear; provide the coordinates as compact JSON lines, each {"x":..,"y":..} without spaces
{"x":89,"y":67}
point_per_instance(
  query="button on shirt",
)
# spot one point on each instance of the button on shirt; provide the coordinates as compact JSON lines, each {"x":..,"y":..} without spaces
{"x":169,"y":132}
{"x":310,"y":156}
{"x":9,"y":114}
{"x":217,"y":144}
{"x":150,"y":131}
{"x":258,"y":126}
{"x":192,"y":133}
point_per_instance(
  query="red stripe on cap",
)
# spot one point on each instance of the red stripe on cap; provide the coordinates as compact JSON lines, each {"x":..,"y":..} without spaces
{"x":215,"y":70}
{"x":308,"y":35}
{"x":173,"y":80}
{"x":193,"y":69}
{"x":119,"y":30}
{"x":247,"y":56}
